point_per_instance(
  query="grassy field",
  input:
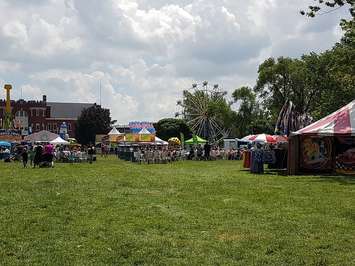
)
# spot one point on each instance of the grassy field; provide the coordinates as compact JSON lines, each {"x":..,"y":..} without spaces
{"x":186,"y":213}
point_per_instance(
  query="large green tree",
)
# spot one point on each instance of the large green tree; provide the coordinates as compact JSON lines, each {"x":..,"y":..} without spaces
{"x":92,"y":121}
{"x":317,"y":84}
{"x":171,"y":127}
{"x":250,"y":118}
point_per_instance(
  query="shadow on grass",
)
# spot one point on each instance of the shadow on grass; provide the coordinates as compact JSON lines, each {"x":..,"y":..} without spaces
{"x":324,"y":177}
{"x":342,"y":179}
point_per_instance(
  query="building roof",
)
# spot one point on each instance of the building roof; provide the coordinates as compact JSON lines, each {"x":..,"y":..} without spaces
{"x":67,"y":110}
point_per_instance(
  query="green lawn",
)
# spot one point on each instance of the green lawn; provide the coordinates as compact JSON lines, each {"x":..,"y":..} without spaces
{"x":186,"y":213}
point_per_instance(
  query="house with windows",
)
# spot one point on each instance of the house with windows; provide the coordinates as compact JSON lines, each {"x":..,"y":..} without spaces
{"x":34,"y":116}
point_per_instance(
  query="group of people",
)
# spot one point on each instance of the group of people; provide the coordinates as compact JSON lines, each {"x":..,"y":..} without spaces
{"x":44,"y":154}
{"x":163,"y":154}
{"x":157,"y":155}
{"x":38,"y":155}
{"x":208,"y":152}
{"x":78,"y":154}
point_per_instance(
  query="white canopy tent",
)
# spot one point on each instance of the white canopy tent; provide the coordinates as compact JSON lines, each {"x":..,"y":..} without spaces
{"x":114,"y":132}
{"x":144,"y":131}
{"x":159,"y":141}
{"x":59,"y":141}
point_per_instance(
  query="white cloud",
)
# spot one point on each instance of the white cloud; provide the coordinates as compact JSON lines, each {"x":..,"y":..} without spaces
{"x":145,"y":52}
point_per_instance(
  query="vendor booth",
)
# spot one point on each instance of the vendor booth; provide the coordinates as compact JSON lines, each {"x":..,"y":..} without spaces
{"x":115,"y":136}
{"x":327,"y":145}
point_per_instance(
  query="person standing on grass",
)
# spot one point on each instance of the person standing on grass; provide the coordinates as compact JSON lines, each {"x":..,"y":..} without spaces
{"x":38,"y":156}
{"x":207,"y":149}
{"x":90,"y":154}
{"x":31,"y":155}
{"x":24,"y":157}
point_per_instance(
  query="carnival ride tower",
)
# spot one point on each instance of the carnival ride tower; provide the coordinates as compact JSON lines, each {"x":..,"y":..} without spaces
{"x":8,"y":116}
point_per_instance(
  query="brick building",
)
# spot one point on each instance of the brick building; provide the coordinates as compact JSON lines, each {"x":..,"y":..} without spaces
{"x":34,"y":116}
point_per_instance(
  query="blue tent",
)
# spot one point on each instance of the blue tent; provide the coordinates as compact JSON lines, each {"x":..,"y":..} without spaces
{"x":5,"y":144}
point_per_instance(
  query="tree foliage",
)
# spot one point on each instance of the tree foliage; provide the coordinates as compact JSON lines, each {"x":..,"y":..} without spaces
{"x":171,"y":127}
{"x":317,"y":84}
{"x":313,"y":10}
{"x":92,"y":121}
{"x":250,"y":118}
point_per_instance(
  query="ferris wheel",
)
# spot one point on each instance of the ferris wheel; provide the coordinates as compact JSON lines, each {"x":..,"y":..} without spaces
{"x":197,"y":109}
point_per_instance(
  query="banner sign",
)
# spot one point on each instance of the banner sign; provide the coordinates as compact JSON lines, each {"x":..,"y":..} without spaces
{"x":132,"y":137}
{"x":63,"y":131}
{"x":116,"y":139}
{"x":146,"y":138}
{"x":316,"y":153}
{"x":345,"y":155}
{"x":10,"y":135}
{"x":136,"y":127}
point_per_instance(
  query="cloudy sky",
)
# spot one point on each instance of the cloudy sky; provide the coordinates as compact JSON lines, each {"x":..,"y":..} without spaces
{"x":145,"y":52}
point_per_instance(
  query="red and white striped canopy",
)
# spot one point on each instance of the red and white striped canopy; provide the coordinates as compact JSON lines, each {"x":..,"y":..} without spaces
{"x":341,"y":122}
{"x":265,"y":138}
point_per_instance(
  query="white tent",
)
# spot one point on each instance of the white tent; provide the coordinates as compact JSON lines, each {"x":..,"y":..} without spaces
{"x":159,"y":141}
{"x":59,"y":141}
{"x":114,"y":132}
{"x":144,"y":131}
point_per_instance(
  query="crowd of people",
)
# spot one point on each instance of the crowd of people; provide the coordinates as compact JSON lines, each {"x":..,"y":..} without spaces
{"x":45,"y":154}
{"x":164,"y":154}
{"x":37,"y":156}
{"x":254,"y":156}
{"x":208,"y":152}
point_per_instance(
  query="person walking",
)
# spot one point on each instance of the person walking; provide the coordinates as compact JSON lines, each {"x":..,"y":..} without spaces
{"x":24,"y":157}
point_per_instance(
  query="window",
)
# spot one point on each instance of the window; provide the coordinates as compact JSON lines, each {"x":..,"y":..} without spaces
{"x":21,"y":113}
{"x":37,"y":112}
{"x":40,"y":112}
{"x":37,"y":127}
{"x":43,"y":127}
{"x":55,"y":127}
{"x":49,"y":127}
{"x":69,"y":127}
{"x":44,"y":113}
